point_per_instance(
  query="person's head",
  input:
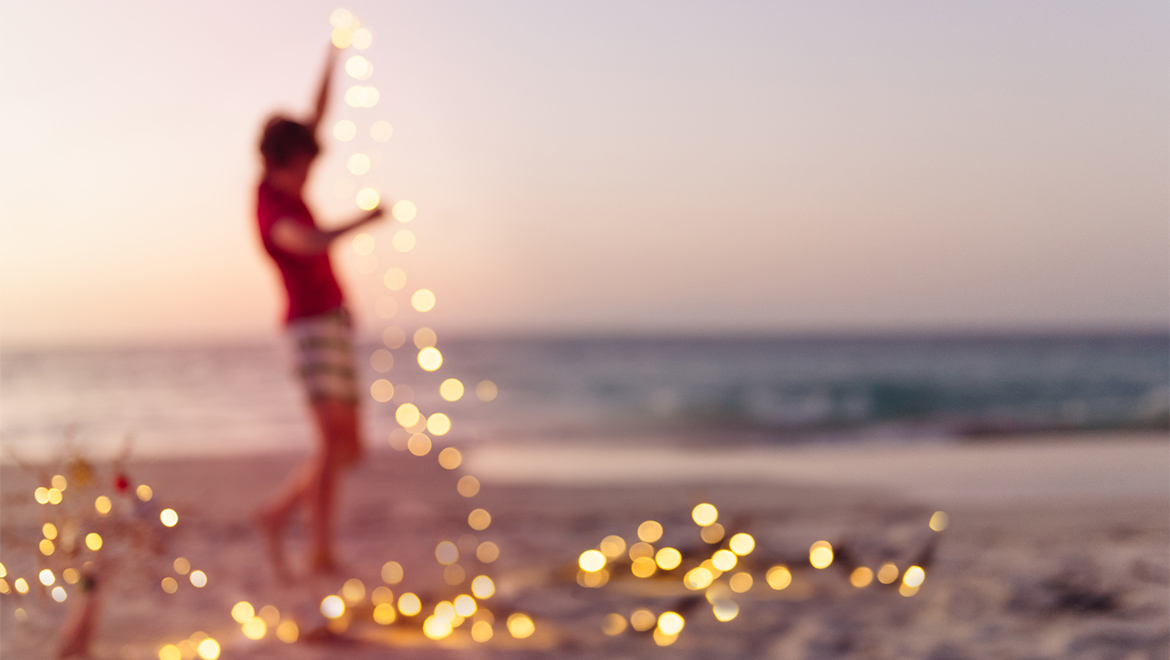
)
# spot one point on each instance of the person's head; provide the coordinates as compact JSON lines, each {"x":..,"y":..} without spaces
{"x":288,"y":148}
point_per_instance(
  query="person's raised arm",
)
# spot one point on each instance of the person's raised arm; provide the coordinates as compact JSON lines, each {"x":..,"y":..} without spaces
{"x":303,"y":240}
{"x":323,"y":92}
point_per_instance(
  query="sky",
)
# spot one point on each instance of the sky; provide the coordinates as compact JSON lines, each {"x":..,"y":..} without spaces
{"x":593,"y":167}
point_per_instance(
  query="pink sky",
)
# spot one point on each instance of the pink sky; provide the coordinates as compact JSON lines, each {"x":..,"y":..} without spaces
{"x":652,"y":166}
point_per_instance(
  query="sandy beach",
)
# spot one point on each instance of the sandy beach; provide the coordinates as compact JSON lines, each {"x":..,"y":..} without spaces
{"x":1055,"y":549}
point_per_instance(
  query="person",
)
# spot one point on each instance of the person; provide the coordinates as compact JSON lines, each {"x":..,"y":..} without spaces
{"x":318,"y":327}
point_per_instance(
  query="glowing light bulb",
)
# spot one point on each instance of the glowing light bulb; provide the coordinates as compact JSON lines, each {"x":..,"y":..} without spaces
{"x":668,"y":559}
{"x":430,"y":359}
{"x":367,"y":199}
{"x":344,"y":130}
{"x":520,"y":626}
{"x":450,"y":458}
{"x":451,"y":389}
{"x":742,"y":544}
{"x":423,"y":300}
{"x":650,"y":531}
{"x":479,"y":520}
{"x":359,"y":67}
{"x":704,"y":514}
{"x":779,"y":577}
{"x":362,"y":38}
{"x":381,"y":390}
{"x":358,"y":164}
{"x":404,"y":210}
{"x":820,"y":554}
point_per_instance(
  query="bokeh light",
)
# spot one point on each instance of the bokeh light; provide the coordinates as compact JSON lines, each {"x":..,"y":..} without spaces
{"x":668,"y":559}
{"x":344,"y":130}
{"x":404,"y":210}
{"x":591,"y":560}
{"x":914,"y":576}
{"x":59,"y":482}
{"x":169,"y":584}
{"x":341,"y":37}
{"x":521,"y":626}
{"x":887,"y":573}
{"x":198,"y":578}
{"x":359,"y":67}
{"x":403,"y":240}
{"x":332,"y":606}
{"x":482,"y":587}
{"x":446,"y":553}
{"x":361,"y":96}
{"x":384,"y":614}
{"x":409,"y":604}
{"x":671,"y":623}
{"x":612,"y":546}
{"x":49,"y":530}
{"x":779,"y":577}
{"x":21,"y":586}
{"x":820,"y":554}
{"x":243,"y":612}
{"x":704,"y":514}
{"x":613,"y":624}
{"x":450,"y":458}
{"x":407,"y":415}
{"x":741,"y":583}
{"x":168,"y":517}
{"x":939,"y":521}
{"x":55,"y":496}
{"x":46,"y":577}
{"x":423,"y":300}
{"x":419,"y":444}
{"x":362,"y":38}
{"x":861,"y":576}
{"x":725,"y":610}
{"x":46,"y":547}
{"x":487,"y":552}
{"x":394,"y":279}
{"x":71,"y":575}
{"x":641,"y":549}
{"x":430,"y":359}
{"x":393,"y":337}
{"x":363,"y":244}
{"x":642,"y":620}
{"x":439,"y":424}
{"x":425,"y":338}
{"x":144,"y":493}
{"x":382,"y":360}
{"x":451,"y":389}
{"x":170,"y":652}
{"x":353,"y":591}
{"x":358,"y":164}
{"x":486,"y":391}
{"x":643,"y":567}
{"x":368,"y":199}
{"x":650,"y":531}
{"x":381,"y":130}
{"x":59,"y":594}
{"x":102,"y":505}
{"x":698,"y":578}
{"x":339,"y":18}
{"x":712,"y":533}
{"x":468,"y":486}
{"x":392,"y":572}
{"x":255,"y":628}
{"x":479,"y":520}
{"x":287,"y":631}
{"x":381,"y":390}
{"x":181,"y":565}
{"x":724,"y":560}
{"x":742,"y":544}
{"x":93,"y":541}
{"x":482,"y":631}
{"x":436,"y":628}
{"x":454,"y":575}
{"x":41,"y":495}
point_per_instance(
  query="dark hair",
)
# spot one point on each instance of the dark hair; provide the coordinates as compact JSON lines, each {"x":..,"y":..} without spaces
{"x":284,"y":139}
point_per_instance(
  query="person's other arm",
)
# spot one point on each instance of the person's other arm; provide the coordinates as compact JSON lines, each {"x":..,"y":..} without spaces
{"x":323,"y":91}
{"x":305,"y":241}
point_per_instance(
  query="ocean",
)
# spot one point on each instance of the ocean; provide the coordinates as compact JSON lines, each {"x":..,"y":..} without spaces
{"x":225,"y":399}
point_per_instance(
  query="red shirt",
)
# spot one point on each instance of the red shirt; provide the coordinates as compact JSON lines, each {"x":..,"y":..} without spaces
{"x":312,"y":288}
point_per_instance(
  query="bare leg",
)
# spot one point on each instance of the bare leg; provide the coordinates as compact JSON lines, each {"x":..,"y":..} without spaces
{"x":314,"y":485}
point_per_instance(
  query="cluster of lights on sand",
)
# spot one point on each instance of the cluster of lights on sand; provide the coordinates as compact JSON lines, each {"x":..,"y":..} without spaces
{"x":721,"y":570}
{"x":88,"y":533}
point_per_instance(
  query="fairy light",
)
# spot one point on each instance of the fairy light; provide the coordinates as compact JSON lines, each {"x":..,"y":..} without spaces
{"x":724,"y":560}
{"x":181,"y":565}
{"x":198,"y":578}
{"x":591,"y":560}
{"x":168,"y":517}
{"x":725,"y":610}
{"x":481,"y":631}
{"x":939,"y":521}
{"x":650,"y":531}
{"x":169,"y":584}
{"x":820,"y":554}
{"x":102,"y":505}
{"x":479,"y":520}
{"x":21,"y":586}
{"x":381,"y":390}
{"x":521,"y":626}
{"x":344,"y":130}
{"x":642,"y":620}
{"x":59,"y":482}
{"x":861,"y":577}
{"x":403,"y":240}
{"x":55,"y":496}
{"x":255,"y":628}
{"x":332,"y":606}
{"x":93,"y":541}
{"x":468,"y":486}
{"x":41,"y":495}
{"x":384,"y":614}
{"x":698,"y":578}
{"x":208,"y":649}
{"x":367,"y":199}
{"x":419,"y":444}
{"x":394,"y":279}
{"x":914,"y":577}
{"x":887,"y":573}
{"x":381,"y":130}
{"x":741,"y":583}
{"x":409,"y":604}
{"x":779,"y":577}
{"x":49,"y":530}
{"x":46,"y":547}
{"x":487,"y":552}
{"x":359,"y":67}
{"x":612,"y":546}
{"x":450,"y":458}
{"x":144,"y":492}
{"x":71,"y":575}
{"x":243,"y":612}
{"x":46,"y":577}
{"x":613,"y":624}
{"x":287,"y":631}
{"x":439,"y":424}
{"x":742,"y":544}
{"x":358,"y":164}
{"x":668,"y":559}
{"x":704,"y":514}
{"x":423,"y":300}
{"x":353,"y":591}
{"x":404,"y":210}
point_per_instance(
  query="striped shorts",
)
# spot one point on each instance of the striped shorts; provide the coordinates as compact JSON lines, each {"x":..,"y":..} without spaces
{"x":322,"y":348}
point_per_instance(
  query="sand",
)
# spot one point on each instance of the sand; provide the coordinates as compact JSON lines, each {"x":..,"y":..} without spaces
{"x":1057,"y":548}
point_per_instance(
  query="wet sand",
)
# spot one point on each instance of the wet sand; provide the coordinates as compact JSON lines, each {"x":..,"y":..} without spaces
{"x":1057,"y":548}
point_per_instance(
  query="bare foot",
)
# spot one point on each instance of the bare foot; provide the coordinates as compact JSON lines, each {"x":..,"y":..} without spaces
{"x":271,"y":528}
